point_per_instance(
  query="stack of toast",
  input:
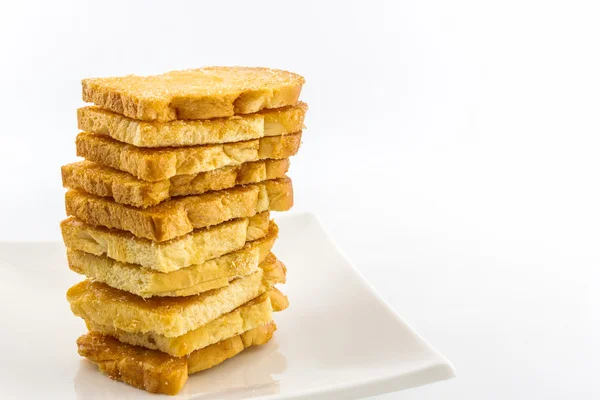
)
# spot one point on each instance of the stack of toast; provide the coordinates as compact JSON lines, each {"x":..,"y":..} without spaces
{"x":169,"y":218}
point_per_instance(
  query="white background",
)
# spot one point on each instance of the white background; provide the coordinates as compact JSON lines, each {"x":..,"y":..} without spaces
{"x":451,"y":150}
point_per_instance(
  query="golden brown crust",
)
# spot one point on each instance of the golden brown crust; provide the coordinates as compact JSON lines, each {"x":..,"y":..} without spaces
{"x":196,"y":93}
{"x":169,"y":316}
{"x":162,"y":163}
{"x":158,"y":372}
{"x":201,"y":360}
{"x":279,"y":301}
{"x":228,"y":177}
{"x":150,"y":370}
{"x":272,"y":122}
{"x":182,"y":215}
{"x":195,"y":279}
{"x":196,"y":247}
{"x":258,"y":336}
{"x":103,"y":181}
{"x":250,"y":315}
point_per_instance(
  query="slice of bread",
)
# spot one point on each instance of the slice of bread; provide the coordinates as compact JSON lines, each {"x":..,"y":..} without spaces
{"x":196,"y":247}
{"x":125,"y":188}
{"x":158,"y":372}
{"x":150,"y":370}
{"x":248,"y":316}
{"x":195,"y":279}
{"x":169,"y":316}
{"x":158,"y":164}
{"x":181,"y":215}
{"x":195,"y":93}
{"x":273,"y":122}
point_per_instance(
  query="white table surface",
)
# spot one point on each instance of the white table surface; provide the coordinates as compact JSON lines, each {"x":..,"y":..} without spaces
{"x":451,"y":151}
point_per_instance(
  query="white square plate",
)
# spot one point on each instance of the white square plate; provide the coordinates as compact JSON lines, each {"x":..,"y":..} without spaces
{"x":338,"y":338}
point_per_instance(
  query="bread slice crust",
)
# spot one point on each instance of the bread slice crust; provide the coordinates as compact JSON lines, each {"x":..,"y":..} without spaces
{"x":248,"y":316}
{"x":124,"y":188}
{"x":195,"y":247}
{"x":158,"y":372}
{"x":181,"y":215}
{"x":272,"y":122}
{"x":169,"y":316}
{"x":198,"y":278}
{"x":195,"y":93}
{"x":158,"y":164}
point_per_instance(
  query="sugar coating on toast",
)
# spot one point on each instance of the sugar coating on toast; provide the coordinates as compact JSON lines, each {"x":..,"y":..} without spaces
{"x":195,"y":93}
{"x":122,"y":187}
{"x":162,"y":163}
{"x":195,"y":247}
{"x":158,"y":372}
{"x":179,"y":216}
{"x":195,"y":279}
{"x":272,"y":122}
{"x":169,"y":316}
{"x":248,"y":316}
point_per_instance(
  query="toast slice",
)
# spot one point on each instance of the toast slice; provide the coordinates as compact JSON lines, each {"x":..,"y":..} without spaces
{"x":196,"y":247}
{"x":158,"y":372}
{"x":273,"y":122}
{"x":195,"y":93}
{"x":195,"y":279}
{"x":162,"y":163}
{"x":181,"y":215}
{"x":169,"y":316}
{"x":103,"y":181}
{"x":248,"y":316}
